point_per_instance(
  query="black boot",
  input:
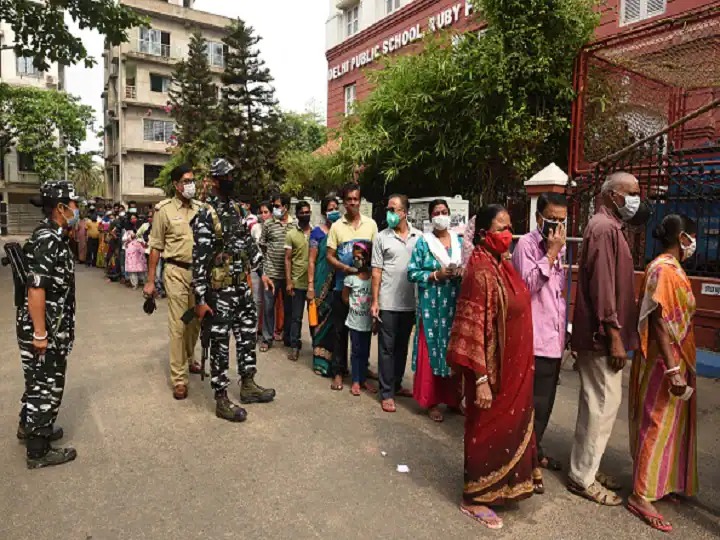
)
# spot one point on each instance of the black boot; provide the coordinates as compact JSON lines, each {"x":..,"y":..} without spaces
{"x":57,"y":433}
{"x":251,"y":392}
{"x":227,"y":410}
{"x":40,"y":454}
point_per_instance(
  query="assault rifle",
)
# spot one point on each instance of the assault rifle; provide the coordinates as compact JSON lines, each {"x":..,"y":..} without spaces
{"x":188,"y":317}
{"x":15,"y":259}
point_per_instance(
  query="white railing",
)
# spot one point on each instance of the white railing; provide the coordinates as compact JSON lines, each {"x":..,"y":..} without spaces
{"x":153,"y":47}
{"x":130,"y":92}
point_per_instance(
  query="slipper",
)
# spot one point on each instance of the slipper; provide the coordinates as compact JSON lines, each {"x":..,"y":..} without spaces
{"x":656,"y":521}
{"x":482,"y":517}
{"x":404,"y":392}
{"x":369,"y":388}
{"x":336,"y":387}
{"x":264,"y":347}
{"x":355,"y":390}
{"x":551,"y":464}
{"x":436,"y":415}
{"x":388,"y":405}
{"x":539,"y":487}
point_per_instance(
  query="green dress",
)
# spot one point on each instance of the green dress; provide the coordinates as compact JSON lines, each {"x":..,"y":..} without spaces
{"x":436,"y":307}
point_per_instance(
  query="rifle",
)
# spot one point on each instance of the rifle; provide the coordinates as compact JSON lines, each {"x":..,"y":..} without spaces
{"x":188,"y":317}
{"x":15,"y":258}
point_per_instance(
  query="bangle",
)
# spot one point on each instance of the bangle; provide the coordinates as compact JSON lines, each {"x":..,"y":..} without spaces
{"x":434,"y":275}
{"x":672,"y":370}
{"x":481,"y":380}
{"x":40,"y":338}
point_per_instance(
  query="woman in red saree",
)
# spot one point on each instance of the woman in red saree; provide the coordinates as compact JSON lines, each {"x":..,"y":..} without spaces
{"x":491,"y":345}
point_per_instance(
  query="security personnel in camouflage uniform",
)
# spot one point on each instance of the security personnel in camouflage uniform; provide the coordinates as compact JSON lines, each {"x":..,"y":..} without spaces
{"x":223,"y":256}
{"x":46,"y":325}
{"x":172,"y":236}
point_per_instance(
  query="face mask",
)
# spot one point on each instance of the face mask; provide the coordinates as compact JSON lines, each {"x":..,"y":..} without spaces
{"x":71,"y":222}
{"x":277,"y":213}
{"x":393,"y":220}
{"x":547,"y":226}
{"x":189,"y":190}
{"x":333,"y":216}
{"x":304,"y":220}
{"x":358,"y":263}
{"x":441,"y":222}
{"x":225,"y":188}
{"x":632,"y":204}
{"x":689,"y":250}
{"x":499,"y":242}
{"x":122,"y":214}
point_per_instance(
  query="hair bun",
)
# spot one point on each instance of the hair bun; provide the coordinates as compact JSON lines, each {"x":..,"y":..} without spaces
{"x":659,"y":231}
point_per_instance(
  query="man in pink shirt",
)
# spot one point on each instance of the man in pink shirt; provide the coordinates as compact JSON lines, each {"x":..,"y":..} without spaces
{"x":538,"y":258}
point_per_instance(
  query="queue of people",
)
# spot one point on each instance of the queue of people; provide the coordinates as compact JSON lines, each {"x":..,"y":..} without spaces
{"x":489,"y":324}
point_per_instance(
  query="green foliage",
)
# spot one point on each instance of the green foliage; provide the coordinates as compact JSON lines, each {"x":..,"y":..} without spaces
{"x":302,"y":131}
{"x":87,"y":175}
{"x":41,"y":33}
{"x":480,"y":115}
{"x":308,"y":174}
{"x":249,"y":122}
{"x":31,"y":118}
{"x":193,"y":98}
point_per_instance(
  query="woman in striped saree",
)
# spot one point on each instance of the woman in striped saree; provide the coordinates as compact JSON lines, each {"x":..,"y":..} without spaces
{"x":663,"y":403}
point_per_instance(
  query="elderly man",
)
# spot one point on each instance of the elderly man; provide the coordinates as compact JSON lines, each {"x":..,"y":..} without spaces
{"x":604,"y":328}
{"x":538,"y":258}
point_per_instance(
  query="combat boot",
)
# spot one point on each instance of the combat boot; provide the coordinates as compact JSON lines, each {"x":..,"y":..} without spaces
{"x":227,"y":410}
{"x":57,"y":433}
{"x":251,"y":392}
{"x":40,"y":454}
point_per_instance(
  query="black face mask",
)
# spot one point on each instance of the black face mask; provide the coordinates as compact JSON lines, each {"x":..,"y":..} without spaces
{"x":304,"y":220}
{"x":225,"y":188}
{"x":547,"y":227}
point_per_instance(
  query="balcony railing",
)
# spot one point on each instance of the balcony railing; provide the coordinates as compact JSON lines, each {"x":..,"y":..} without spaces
{"x":28,"y":177}
{"x":154,"y":48}
{"x":130,"y":92}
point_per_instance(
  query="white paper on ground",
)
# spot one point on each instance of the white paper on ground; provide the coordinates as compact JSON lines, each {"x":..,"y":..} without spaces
{"x":403,"y":469}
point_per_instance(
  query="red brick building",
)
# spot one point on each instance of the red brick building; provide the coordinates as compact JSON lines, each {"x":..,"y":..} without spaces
{"x":359,"y":31}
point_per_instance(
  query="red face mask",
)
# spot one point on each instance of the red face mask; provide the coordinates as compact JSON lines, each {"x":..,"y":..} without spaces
{"x":499,"y":242}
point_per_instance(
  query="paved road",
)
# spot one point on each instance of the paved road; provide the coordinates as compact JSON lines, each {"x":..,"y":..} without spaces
{"x":307,"y":466}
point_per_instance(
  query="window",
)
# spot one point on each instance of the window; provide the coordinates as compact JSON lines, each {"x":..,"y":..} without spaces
{"x":391,"y":5}
{"x":151,"y":173}
{"x":352,"y":20}
{"x":638,"y":10}
{"x":350,"y":96}
{"x":154,"y":42}
{"x":158,"y":83}
{"x":158,"y":130}
{"x":25,"y":162}
{"x":25,"y":67}
{"x":216,"y":53}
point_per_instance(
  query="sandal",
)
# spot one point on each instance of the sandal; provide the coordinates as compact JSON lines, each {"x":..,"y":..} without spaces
{"x":337,"y":386}
{"x":388,"y":405}
{"x":608,"y":481}
{"x":264,"y":346}
{"x":552,"y":464}
{"x":372,"y":374}
{"x":404,"y":392}
{"x":486,"y":517}
{"x":435,"y":415}
{"x":538,"y":487}
{"x":656,"y":521}
{"x":596,"y":492}
{"x":369,"y":388}
{"x":355,"y":389}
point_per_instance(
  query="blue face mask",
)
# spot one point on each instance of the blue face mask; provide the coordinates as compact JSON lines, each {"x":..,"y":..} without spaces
{"x":333,"y":216}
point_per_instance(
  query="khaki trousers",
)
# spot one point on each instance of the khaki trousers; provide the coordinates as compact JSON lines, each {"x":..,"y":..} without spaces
{"x":182,"y":338}
{"x":600,"y":399}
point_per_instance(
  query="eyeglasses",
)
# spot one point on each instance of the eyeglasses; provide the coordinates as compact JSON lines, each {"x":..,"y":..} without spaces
{"x":277,"y":205}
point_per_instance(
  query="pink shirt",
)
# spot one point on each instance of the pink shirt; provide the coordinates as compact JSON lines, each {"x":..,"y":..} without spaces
{"x":546,"y":285}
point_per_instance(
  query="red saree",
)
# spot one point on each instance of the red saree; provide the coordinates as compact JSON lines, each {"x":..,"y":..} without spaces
{"x":492,"y":335}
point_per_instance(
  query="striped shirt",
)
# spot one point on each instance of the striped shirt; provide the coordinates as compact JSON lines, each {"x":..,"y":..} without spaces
{"x":272,"y":242}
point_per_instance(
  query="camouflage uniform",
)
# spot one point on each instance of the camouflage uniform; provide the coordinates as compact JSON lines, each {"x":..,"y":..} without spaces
{"x":223,"y":256}
{"x":51,"y":267}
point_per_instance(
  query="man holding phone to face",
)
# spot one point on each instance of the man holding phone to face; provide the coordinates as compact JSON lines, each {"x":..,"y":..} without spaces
{"x":538,"y":258}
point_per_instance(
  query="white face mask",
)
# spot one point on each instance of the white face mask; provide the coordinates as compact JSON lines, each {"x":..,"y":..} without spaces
{"x":632,"y":204}
{"x":689,"y":250}
{"x":441,"y":222}
{"x":189,"y":190}
{"x":277,"y":213}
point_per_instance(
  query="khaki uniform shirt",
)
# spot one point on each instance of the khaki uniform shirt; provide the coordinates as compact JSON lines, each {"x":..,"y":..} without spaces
{"x":171,"y":232}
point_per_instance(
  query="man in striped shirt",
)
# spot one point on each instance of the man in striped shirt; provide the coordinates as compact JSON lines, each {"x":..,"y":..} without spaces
{"x":272,"y":243}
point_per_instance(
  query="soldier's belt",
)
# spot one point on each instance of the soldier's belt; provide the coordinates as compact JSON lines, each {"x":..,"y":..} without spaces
{"x":179,"y":264}
{"x":222,"y":282}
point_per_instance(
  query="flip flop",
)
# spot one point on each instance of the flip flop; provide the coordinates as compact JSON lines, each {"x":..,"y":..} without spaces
{"x":369,"y":388}
{"x":355,"y":390}
{"x":551,"y":464}
{"x":649,"y":519}
{"x":336,"y":387}
{"x":404,"y":392}
{"x":264,"y":347}
{"x":388,"y":406}
{"x":436,"y":415}
{"x":482,"y":517}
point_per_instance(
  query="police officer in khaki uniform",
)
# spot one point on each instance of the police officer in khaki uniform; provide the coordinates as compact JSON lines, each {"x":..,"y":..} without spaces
{"x":172,"y":235}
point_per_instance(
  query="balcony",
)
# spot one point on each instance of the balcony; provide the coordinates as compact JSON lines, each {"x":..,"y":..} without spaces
{"x":130,"y":92}
{"x":25,"y":177}
{"x":154,"y":51}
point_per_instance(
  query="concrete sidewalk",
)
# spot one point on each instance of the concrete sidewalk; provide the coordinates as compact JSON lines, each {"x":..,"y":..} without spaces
{"x":309,"y":465}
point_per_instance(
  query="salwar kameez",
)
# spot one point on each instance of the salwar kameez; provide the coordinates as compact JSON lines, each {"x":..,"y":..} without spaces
{"x":663,"y":428}
{"x":323,"y":335}
{"x":492,"y":335}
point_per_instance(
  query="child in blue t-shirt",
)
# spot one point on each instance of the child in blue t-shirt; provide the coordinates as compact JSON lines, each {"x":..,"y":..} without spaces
{"x":358,"y":296}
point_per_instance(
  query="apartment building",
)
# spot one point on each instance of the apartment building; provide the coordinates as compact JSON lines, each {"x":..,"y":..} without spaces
{"x":138,"y":124}
{"x":18,"y":180}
